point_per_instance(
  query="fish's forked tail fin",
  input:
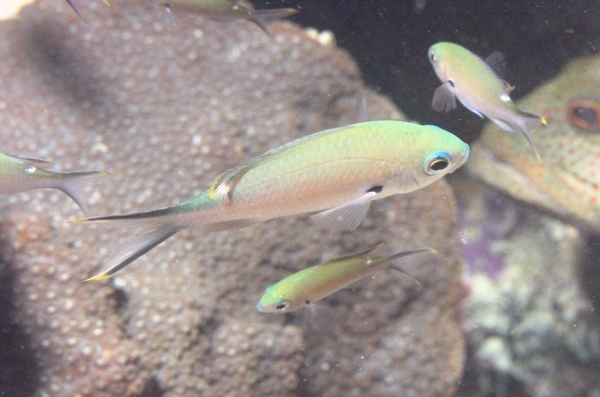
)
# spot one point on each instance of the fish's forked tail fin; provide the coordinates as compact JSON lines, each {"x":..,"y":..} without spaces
{"x":154,"y":227}
{"x":263,"y":17}
{"x":73,"y":183}
{"x":528,"y":122}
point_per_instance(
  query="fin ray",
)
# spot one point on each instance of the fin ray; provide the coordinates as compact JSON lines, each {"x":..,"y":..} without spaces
{"x":443,"y":98}
{"x":347,"y":216}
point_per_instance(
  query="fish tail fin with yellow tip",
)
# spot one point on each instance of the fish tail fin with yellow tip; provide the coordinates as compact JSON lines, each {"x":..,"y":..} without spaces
{"x":154,"y":227}
{"x":134,"y":249}
{"x":529,"y":122}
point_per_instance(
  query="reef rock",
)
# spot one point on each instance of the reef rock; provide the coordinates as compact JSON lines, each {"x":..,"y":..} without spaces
{"x":165,"y":106}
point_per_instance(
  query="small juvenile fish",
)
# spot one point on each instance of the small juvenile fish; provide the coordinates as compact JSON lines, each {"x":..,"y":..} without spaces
{"x":18,"y":174}
{"x":315,"y":283}
{"x":473,"y":81}
{"x":230,"y":10}
{"x":336,"y":172}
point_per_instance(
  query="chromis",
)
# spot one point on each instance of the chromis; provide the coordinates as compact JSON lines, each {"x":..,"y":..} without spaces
{"x":472,"y":80}
{"x":336,"y":172}
{"x":230,"y":10}
{"x":18,"y":174}
{"x":315,"y":283}
{"x":568,"y":183}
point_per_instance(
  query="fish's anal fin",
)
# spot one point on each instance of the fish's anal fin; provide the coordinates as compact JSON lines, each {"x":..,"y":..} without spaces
{"x":443,"y":98}
{"x":347,"y":216}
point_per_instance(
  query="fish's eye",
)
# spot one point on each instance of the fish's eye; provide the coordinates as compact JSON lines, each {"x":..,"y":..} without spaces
{"x":281,"y":304}
{"x":585,"y":114}
{"x":437,"y":162}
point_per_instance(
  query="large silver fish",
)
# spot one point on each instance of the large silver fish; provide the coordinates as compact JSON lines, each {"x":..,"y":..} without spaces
{"x":336,"y":173}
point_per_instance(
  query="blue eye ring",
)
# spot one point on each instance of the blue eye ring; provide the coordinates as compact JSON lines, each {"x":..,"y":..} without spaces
{"x":281,"y":304}
{"x":437,"y":162}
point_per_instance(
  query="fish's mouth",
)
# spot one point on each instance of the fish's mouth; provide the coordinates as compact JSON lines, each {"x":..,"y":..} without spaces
{"x":260,"y":307}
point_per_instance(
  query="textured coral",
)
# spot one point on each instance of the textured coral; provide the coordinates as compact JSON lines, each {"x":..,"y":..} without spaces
{"x":165,"y":108}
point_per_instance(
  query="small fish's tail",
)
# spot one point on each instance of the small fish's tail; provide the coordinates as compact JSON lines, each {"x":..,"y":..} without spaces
{"x":74,"y":7}
{"x":155,"y":227}
{"x":528,"y":122}
{"x":73,"y":183}
{"x":262,"y":17}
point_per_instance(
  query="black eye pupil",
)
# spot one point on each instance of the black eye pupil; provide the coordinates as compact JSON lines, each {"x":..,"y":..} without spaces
{"x":586,"y":114}
{"x":438,"y":164}
{"x":281,"y":306}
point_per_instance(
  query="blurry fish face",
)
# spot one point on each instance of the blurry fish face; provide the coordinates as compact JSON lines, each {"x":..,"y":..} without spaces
{"x":272,"y":301}
{"x":435,"y":57}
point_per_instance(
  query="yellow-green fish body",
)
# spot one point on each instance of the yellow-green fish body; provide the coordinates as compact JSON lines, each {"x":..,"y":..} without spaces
{"x":336,"y":172}
{"x":315,"y":283}
{"x":230,"y":10}
{"x":18,"y":174}
{"x":568,"y":182}
{"x":472,"y":81}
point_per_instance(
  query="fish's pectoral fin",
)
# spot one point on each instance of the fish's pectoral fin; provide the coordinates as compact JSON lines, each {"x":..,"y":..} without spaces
{"x":496,"y":62}
{"x":347,"y":216}
{"x":444,"y":98}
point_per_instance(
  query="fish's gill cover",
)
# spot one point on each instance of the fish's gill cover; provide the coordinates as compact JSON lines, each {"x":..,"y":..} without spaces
{"x":165,"y":108}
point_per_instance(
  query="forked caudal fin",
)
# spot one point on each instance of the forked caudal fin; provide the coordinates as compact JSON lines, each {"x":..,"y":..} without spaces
{"x":72,"y":183}
{"x":136,"y":248}
{"x":528,"y":122}
{"x":154,"y":227}
{"x":262,"y":17}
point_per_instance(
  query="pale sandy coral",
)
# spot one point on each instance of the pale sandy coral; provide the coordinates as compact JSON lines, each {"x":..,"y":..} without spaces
{"x":165,"y":108}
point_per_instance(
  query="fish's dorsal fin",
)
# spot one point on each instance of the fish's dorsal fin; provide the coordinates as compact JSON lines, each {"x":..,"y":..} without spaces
{"x":347,"y":216}
{"x":496,"y":62}
{"x":29,"y":160}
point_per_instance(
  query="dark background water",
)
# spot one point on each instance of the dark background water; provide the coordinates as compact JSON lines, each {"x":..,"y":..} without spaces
{"x":389,"y":40}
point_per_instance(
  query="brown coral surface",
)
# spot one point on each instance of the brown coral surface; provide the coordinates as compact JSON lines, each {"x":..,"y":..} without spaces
{"x":165,"y":106}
